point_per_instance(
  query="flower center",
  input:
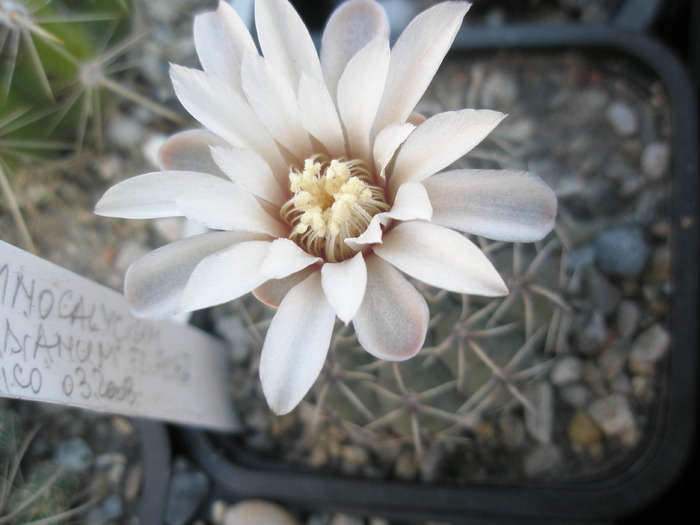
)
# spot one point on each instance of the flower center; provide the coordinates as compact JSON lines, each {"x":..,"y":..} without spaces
{"x":332,"y":200}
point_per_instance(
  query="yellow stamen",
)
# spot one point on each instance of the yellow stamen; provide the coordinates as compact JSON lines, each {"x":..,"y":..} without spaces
{"x":332,"y":201}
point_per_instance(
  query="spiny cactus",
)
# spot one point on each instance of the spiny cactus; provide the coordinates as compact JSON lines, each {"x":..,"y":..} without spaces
{"x":478,"y":359}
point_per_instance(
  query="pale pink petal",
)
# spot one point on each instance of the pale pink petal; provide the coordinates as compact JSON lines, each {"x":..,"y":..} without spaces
{"x":387,"y":142}
{"x":223,"y":111}
{"x":225,"y":275}
{"x":285,"y":41}
{"x":359,"y":91}
{"x":273,"y":291}
{"x":506,"y":205}
{"x":221,"y":38}
{"x":344,"y":285}
{"x":416,"y":118}
{"x":438,"y":142}
{"x":351,"y":27}
{"x":296,"y":345}
{"x":440,"y":257}
{"x":213,"y":201}
{"x":153,"y":284}
{"x":319,"y":115}
{"x":393,"y":319}
{"x":190,"y":151}
{"x":272,"y":98}
{"x":415,"y":58}
{"x":411,"y":203}
{"x":248,"y":170}
{"x":285,"y":258}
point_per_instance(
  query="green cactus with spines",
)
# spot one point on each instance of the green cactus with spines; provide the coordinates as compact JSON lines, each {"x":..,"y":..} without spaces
{"x":478,"y":356}
{"x":49,"y":491}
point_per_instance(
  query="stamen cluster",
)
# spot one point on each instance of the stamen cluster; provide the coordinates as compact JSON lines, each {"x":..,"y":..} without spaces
{"x":332,"y":200}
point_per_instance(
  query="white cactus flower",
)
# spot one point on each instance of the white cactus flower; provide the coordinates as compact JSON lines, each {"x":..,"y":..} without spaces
{"x":323,"y":186}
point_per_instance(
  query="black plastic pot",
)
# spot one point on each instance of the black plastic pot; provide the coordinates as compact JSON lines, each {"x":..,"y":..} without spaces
{"x":629,"y":487}
{"x":155,"y":458}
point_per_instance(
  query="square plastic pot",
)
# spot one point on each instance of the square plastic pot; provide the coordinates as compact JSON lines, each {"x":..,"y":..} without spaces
{"x":239,"y":474}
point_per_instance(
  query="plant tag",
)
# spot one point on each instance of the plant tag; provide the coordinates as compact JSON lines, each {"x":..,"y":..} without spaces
{"x":68,"y":340}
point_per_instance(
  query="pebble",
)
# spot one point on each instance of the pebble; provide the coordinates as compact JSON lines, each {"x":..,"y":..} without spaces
{"x":75,"y":454}
{"x":622,"y":252}
{"x":628,"y":316}
{"x":576,"y":395}
{"x":566,"y":370}
{"x":500,"y":90}
{"x":255,"y":512}
{"x":649,"y":347}
{"x":345,"y":519}
{"x":583,"y":430}
{"x":613,"y":414}
{"x":612,"y":361}
{"x":655,"y":160}
{"x":169,"y":229}
{"x":188,"y":487}
{"x":604,"y":296}
{"x":542,"y":459}
{"x":622,"y":118}
{"x":590,"y":333}
{"x":106,"y":511}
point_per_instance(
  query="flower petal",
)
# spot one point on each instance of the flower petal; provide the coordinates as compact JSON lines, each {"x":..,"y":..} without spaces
{"x":351,"y":27}
{"x":285,"y":258}
{"x":393,"y":319}
{"x":296,"y":345}
{"x":411,"y":204}
{"x":344,"y":285}
{"x":223,"y":111}
{"x":215,"y":202}
{"x":359,"y":91}
{"x":272,"y":292}
{"x":248,"y":169}
{"x":387,"y":142}
{"x":272,"y":98}
{"x":319,"y":115}
{"x":440,"y":257}
{"x":154,"y":284}
{"x":439,"y":141}
{"x":221,"y":38}
{"x":285,"y":41}
{"x":225,"y":275}
{"x":415,"y":58}
{"x":505,"y":205}
{"x":190,"y":151}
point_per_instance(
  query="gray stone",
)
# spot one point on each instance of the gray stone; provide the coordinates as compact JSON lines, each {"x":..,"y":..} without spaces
{"x":500,"y":90}
{"x":75,"y":454}
{"x":541,"y":459}
{"x":576,"y":395}
{"x":188,"y":487}
{"x":650,"y":346}
{"x":622,"y":252}
{"x":628,"y":316}
{"x":257,"y":512}
{"x":622,"y":118}
{"x":106,"y":511}
{"x":655,"y":160}
{"x":566,"y":370}
{"x":613,"y":414}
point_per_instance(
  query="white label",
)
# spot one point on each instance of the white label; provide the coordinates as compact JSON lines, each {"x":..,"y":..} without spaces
{"x":65,"y":339}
